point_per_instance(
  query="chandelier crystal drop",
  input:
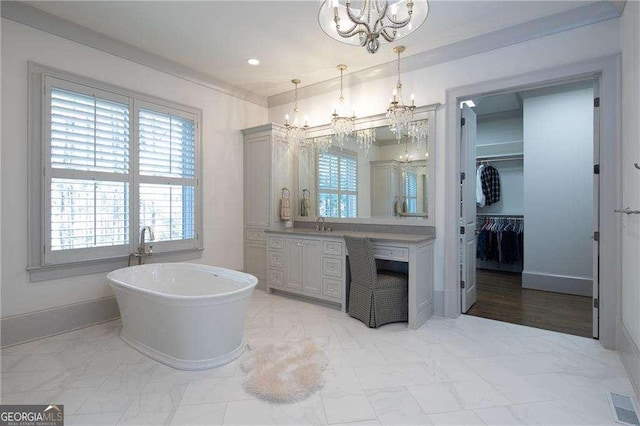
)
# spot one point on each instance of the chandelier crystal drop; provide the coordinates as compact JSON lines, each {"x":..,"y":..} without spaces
{"x":365,"y":139}
{"x":369,"y":23}
{"x":341,"y":124}
{"x":400,"y":115}
{"x":296,"y":134}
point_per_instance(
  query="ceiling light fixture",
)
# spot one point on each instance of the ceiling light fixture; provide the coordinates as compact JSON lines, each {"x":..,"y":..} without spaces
{"x":399,"y":115}
{"x":296,"y":134}
{"x":371,"y":22}
{"x":253,"y":61}
{"x":341,"y":124}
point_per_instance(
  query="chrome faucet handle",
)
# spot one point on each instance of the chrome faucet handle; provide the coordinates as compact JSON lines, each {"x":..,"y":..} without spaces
{"x":150,"y":250}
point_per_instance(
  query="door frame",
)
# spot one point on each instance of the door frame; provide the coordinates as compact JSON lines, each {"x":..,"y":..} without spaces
{"x":606,"y":70}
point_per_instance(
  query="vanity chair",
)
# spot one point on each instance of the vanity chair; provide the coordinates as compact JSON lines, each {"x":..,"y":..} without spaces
{"x":375,"y":297}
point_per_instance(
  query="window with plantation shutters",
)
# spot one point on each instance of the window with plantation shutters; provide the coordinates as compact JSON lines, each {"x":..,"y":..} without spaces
{"x":337,"y":184}
{"x":167,"y":162}
{"x":411,"y":191}
{"x":113,"y":163}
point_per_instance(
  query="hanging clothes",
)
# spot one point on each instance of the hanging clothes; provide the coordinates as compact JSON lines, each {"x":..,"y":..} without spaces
{"x":490,"y":179}
{"x":500,"y":240}
{"x":480,"y":197}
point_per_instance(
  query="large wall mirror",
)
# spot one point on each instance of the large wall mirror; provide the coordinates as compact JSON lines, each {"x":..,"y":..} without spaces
{"x":390,"y":183}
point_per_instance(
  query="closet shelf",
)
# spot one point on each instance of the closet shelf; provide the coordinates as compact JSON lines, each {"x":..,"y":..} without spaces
{"x":502,"y":157}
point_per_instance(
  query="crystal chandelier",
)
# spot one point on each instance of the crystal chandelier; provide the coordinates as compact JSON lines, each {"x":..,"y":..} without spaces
{"x":399,"y":115}
{"x":341,"y":124}
{"x":370,"y":22}
{"x":296,"y":134}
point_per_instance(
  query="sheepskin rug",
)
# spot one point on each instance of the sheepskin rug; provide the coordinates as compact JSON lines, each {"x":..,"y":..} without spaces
{"x":286,"y":372}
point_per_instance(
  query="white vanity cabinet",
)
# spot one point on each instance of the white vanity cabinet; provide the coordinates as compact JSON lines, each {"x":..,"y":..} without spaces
{"x":307,"y":265}
{"x":268,"y":167}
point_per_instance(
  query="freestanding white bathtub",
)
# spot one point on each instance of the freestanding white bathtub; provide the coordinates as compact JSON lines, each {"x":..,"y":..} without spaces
{"x":185,"y":315}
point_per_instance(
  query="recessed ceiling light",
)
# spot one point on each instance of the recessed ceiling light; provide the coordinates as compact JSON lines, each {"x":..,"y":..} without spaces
{"x":253,"y":61}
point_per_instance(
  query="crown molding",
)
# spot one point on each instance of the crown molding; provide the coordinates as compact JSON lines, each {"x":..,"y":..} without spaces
{"x":574,"y":18}
{"x":47,"y":22}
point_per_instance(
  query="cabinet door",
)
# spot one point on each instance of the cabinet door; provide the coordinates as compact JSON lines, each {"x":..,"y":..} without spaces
{"x":255,"y":261}
{"x":256,"y":182}
{"x":311,"y":269}
{"x":293,"y":264}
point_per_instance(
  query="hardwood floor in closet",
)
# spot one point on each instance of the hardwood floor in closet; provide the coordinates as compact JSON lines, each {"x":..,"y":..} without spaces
{"x":501,"y":297}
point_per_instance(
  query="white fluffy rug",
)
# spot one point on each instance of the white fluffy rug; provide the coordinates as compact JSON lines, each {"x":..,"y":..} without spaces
{"x":285,"y":372}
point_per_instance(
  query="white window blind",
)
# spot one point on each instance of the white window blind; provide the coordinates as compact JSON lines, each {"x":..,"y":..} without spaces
{"x":337,"y":184}
{"x":167,"y":163}
{"x":88,"y":169}
{"x":411,"y":191}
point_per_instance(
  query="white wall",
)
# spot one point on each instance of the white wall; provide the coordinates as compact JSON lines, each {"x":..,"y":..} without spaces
{"x":429,"y":86}
{"x":499,"y":137}
{"x":558,"y":191}
{"x":630,"y":175}
{"x":223,"y":117}
{"x":499,"y":131}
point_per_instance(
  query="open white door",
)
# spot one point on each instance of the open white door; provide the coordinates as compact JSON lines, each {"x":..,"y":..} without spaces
{"x":596,"y":210}
{"x":468,"y":210}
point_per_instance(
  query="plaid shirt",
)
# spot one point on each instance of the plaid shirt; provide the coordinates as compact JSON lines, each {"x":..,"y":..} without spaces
{"x":490,"y":185}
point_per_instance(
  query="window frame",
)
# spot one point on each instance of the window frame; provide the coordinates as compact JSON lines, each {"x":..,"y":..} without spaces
{"x":42,"y":263}
{"x":339,"y":153}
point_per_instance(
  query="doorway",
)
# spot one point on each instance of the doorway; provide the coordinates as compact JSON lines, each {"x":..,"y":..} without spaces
{"x":529,"y":215}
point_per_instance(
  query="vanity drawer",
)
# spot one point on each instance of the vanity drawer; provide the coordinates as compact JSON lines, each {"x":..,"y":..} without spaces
{"x":332,"y":288}
{"x":332,"y":266}
{"x":256,"y":234}
{"x":391,"y":253}
{"x":276,"y":259}
{"x":276,"y":278}
{"x":276,"y":242}
{"x":333,"y":248}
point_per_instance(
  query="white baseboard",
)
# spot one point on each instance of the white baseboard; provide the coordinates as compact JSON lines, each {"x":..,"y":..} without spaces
{"x":557,"y":283}
{"x":630,"y":356}
{"x":438,"y":302}
{"x":36,"y":325}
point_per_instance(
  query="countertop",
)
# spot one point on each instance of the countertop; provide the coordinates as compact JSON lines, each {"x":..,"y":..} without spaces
{"x":374,"y":236}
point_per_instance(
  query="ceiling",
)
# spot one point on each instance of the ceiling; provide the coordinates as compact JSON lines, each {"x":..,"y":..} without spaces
{"x":217,"y":37}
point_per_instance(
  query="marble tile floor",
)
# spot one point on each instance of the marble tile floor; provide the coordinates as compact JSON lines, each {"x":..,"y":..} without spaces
{"x":452,"y":372}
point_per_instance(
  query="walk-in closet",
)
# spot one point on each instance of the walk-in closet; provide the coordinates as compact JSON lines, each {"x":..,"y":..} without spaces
{"x":534,"y":207}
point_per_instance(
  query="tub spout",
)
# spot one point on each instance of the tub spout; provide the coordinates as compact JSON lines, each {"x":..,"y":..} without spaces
{"x":144,"y":250}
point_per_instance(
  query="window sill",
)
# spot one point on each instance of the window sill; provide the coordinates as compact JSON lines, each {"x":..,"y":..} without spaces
{"x":87,"y":267}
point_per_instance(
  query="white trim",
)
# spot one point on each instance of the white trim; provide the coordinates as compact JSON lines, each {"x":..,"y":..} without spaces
{"x":62,"y":319}
{"x":570,"y":19}
{"x":47,"y":22}
{"x":630,"y":356}
{"x":578,"y":286}
{"x":607,"y":70}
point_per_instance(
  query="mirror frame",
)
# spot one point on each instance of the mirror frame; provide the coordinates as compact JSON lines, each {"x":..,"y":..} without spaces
{"x":426,"y":112}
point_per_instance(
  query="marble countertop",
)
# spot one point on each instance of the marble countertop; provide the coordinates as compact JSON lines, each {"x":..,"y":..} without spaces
{"x":375,"y":236}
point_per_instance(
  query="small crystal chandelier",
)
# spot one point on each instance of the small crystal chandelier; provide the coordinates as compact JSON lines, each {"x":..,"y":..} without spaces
{"x":399,"y":115}
{"x":341,"y":125}
{"x":371,"y":22}
{"x":296,"y":134}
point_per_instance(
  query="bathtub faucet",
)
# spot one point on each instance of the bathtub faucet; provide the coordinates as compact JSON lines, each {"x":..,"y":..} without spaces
{"x":144,"y":250}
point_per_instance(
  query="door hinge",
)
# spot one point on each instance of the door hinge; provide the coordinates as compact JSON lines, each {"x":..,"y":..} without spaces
{"x":462,"y":230}
{"x":463,"y":121}
{"x":596,"y":169}
{"x":596,"y":236}
{"x":461,"y":284}
{"x":596,"y":303}
{"x":596,"y":102}
{"x":462,"y":176}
